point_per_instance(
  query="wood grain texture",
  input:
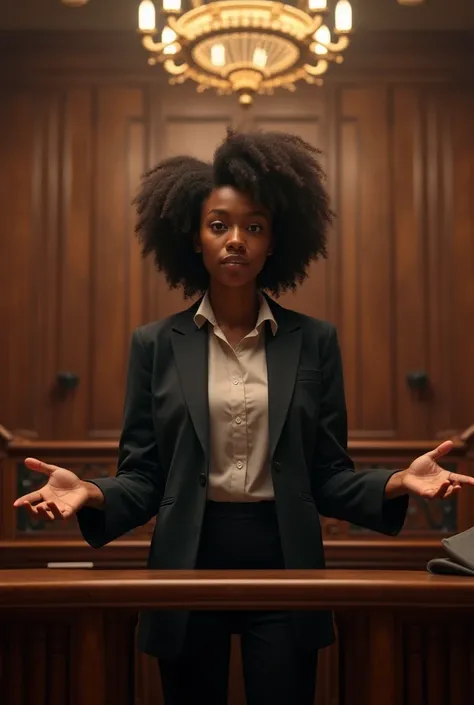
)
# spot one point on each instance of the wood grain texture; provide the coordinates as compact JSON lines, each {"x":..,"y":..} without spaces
{"x":239,"y":590}
{"x":395,"y":644}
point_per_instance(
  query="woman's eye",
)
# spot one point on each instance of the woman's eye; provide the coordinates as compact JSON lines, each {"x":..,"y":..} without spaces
{"x":255,"y":228}
{"x":218,"y":227}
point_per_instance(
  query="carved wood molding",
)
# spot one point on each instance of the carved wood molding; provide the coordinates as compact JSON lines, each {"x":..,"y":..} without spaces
{"x":358,"y":447}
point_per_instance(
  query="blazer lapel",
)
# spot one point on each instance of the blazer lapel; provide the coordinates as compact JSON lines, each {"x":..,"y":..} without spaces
{"x":190,"y":348}
{"x":283,"y":354}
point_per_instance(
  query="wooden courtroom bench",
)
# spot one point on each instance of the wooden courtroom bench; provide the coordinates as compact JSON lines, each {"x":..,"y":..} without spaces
{"x":66,"y":635}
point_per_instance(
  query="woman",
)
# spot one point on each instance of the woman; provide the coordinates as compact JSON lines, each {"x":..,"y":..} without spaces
{"x":235,"y":422}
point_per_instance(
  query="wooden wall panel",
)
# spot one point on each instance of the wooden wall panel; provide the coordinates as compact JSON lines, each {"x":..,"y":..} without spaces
{"x":410,"y":294}
{"x":119,"y":162}
{"x":365,"y":272}
{"x":452,"y":272}
{"x":20,"y":202}
{"x":398,"y":284}
{"x":74,"y":293}
{"x":72,"y":269}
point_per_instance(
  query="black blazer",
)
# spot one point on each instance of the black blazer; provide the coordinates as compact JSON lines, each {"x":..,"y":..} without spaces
{"x":164,"y":457}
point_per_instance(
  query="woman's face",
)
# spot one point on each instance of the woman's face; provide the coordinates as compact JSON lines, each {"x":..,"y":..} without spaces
{"x":235,"y":238}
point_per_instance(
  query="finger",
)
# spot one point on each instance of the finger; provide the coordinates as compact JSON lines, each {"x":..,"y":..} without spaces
{"x":31,"y":497}
{"x":443,"y":449}
{"x":55,"y":511}
{"x":440,"y":491}
{"x":450,"y":490}
{"x":39,"y":466}
{"x":38,"y":511}
{"x":44,"y":511}
{"x":460,"y":479}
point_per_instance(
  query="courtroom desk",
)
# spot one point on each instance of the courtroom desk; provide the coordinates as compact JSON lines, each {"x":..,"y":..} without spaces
{"x":404,"y":638}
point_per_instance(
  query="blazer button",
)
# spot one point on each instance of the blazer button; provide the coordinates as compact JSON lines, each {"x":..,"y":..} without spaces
{"x":277,"y":466}
{"x":202,"y":480}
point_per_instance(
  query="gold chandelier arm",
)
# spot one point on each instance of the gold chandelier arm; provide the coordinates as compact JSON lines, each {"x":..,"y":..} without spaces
{"x":317,"y":21}
{"x":320,"y":68}
{"x":341,"y":44}
{"x":174,"y":69}
{"x":150,"y":45}
{"x":177,"y":27}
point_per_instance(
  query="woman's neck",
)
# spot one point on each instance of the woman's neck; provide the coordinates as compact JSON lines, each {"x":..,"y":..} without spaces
{"x":234,"y":308}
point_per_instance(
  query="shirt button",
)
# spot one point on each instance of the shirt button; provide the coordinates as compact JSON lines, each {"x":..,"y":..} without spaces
{"x":240,"y":464}
{"x":238,"y":420}
{"x":235,"y":380}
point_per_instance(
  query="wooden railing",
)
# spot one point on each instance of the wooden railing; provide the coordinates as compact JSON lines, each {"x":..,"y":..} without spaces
{"x":404,"y":638}
{"x":26,"y":543}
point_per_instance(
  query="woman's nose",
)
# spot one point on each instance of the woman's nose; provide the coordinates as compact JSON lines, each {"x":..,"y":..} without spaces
{"x":236,"y":237}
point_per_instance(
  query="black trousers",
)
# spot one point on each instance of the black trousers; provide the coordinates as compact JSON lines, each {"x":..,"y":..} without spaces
{"x":240,"y":536}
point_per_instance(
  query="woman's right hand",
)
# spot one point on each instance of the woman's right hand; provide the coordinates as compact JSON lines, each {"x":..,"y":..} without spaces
{"x":61,"y":497}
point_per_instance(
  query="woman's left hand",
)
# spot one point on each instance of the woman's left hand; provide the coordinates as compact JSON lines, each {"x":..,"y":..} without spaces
{"x":427,"y":479}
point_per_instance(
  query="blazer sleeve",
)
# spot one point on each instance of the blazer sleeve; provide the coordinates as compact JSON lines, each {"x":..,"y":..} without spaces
{"x":341,"y":492}
{"x":133,"y":496}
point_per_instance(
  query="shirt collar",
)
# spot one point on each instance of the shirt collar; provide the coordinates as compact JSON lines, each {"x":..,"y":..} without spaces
{"x":205,"y":313}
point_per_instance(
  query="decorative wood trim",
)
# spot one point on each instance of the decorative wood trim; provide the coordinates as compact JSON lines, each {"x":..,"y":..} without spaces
{"x":365,"y":448}
{"x":370,"y":553}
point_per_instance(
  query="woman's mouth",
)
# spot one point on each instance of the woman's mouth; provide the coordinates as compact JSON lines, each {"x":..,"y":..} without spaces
{"x":234,"y":262}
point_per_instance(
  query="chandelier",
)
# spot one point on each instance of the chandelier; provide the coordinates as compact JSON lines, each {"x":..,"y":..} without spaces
{"x":244,"y":47}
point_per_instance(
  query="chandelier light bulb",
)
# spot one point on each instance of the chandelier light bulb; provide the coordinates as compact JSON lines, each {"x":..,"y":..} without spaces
{"x":323,"y":37}
{"x":172,"y":5}
{"x":168,"y":35}
{"x":146,"y":16}
{"x":218,"y":55}
{"x":343,"y":16}
{"x":260,"y":58}
{"x":315,"y":5}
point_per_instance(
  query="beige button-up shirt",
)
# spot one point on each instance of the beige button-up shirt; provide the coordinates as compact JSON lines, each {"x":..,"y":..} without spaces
{"x":238,"y":406}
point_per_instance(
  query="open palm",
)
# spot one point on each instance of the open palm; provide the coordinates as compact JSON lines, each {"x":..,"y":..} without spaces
{"x":62,"y":496}
{"x":426,"y":478}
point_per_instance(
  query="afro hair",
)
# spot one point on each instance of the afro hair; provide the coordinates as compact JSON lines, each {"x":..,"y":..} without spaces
{"x":280,"y":171}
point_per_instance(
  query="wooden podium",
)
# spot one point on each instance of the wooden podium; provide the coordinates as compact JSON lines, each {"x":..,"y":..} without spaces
{"x":67,"y":636}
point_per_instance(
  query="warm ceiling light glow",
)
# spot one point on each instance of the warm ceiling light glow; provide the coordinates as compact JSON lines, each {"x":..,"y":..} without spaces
{"x":322,"y":37}
{"x":146,"y":16}
{"x":218,"y":55}
{"x":168,"y":35}
{"x":172,"y":5}
{"x":343,"y":16}
{"x":260,"y":58}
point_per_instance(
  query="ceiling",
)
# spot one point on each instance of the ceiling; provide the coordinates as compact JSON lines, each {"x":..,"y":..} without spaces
{"x":122,"y":15}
